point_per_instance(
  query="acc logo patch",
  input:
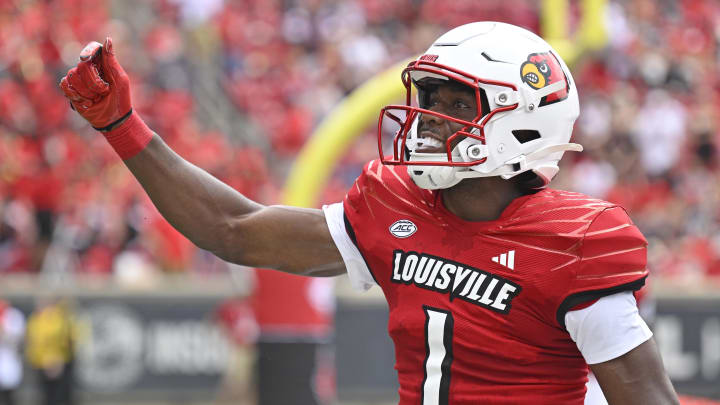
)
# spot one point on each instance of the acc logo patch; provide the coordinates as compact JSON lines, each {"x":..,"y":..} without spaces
{"x":542,"y":69}
{"x":403,"y":228}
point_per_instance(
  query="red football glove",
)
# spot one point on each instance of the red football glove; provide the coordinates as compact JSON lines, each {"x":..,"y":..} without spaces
{"x":98,"y":88}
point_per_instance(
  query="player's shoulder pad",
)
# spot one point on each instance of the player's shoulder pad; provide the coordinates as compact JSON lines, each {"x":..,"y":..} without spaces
{"x":561,"y":205}
{"x":612,"y":248}
{"x":613,"y":258}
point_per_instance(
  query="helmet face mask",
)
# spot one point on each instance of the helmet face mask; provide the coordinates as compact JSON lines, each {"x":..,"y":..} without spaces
{"x":454,"y":104}
{"x":524,"y":101}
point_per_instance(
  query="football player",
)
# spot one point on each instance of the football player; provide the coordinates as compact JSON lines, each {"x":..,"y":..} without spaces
{"x":501,"y":290}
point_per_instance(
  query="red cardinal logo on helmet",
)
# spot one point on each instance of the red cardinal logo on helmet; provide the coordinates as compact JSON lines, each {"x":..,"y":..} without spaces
{"x":542,"y":69}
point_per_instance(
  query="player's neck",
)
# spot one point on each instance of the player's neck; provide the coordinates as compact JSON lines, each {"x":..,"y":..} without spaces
{"x":480,"y":199}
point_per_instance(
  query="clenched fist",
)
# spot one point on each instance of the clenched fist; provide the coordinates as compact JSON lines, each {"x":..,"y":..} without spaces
{"x":98,"y":87}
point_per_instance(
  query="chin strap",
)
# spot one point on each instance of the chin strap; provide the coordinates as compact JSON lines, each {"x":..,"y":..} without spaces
{"x":440,"y":177}
{"x":432,"y":177}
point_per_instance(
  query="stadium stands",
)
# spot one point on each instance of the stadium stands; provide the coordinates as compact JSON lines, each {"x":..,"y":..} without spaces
{"x":238,"y":86}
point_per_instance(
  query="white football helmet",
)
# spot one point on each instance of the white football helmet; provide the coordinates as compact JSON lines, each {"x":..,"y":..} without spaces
{"x":527,"y":102}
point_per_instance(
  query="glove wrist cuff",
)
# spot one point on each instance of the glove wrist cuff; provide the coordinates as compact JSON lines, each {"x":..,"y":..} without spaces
{"x":115,"y":124}
{"x":130,"y":137}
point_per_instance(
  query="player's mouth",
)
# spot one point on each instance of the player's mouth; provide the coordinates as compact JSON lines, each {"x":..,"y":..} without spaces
{"x":430,"y":142}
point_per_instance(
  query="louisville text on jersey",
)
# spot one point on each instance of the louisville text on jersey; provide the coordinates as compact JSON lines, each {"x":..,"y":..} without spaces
{"x":459,"y":280}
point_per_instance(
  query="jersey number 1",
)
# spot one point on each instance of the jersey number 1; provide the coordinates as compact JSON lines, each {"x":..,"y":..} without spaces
{"x":438,"y":346}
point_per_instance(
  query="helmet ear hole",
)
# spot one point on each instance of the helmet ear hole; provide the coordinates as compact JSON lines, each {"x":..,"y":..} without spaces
{"x":526,"y":135}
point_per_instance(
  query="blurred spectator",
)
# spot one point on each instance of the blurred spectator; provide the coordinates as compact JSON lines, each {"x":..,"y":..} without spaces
{"x":237,"y":86}
{"x":294,"y":330}
{"x":236,"y":320}
{"x":659,"y":129}
{"x":12,"y":331}
{"x":50,"y":350}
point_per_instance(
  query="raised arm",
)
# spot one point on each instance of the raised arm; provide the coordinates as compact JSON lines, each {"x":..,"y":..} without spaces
{"x":636,"y":378}
{"x":208,"y":212}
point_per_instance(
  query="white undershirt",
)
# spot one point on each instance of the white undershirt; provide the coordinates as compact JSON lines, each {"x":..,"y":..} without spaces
{"x":608,"y":328}
{"x":360,"y":276}
{"x":605,"y":330}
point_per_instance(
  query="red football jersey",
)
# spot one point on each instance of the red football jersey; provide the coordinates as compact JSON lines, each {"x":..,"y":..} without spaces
{"x":477,"y":309}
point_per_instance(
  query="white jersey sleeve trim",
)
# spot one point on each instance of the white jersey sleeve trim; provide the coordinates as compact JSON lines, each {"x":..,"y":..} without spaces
{"x":608,"y":328}
{"x":360,"y":276}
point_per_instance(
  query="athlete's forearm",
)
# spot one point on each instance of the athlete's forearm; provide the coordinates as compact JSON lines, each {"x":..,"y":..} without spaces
{"x":200,"y":206}
{"x":637,"y":377}
{"x":208,"y":212}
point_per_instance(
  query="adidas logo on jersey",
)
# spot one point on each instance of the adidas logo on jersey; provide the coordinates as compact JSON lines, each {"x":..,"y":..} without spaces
{"x":459,"y":280}
{"x":506,"y":259}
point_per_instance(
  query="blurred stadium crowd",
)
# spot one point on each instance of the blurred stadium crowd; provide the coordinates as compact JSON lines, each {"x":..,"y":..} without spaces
{"x":237,"y":87}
